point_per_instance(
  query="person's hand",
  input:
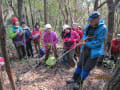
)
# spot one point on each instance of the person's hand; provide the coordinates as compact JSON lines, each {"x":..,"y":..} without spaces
{"x":49,"y":44}
{"x":83,"y":43}
{"x":17,"y":32}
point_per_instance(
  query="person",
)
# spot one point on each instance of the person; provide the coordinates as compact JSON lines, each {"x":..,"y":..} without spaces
{"x":91,"y":50}
{"x":70,"y":38}
{"x":77,"y":29}
{"x":50,"y":40}
{"x":36,"y":36}
{"x":27,"y":39}
{"x":16,"y":34}
{"x":115,"y":48}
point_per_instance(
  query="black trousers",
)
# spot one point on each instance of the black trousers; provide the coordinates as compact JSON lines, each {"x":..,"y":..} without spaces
{"x":29,"y":48}
{"x":85,"y":61}
{"x":21,"y":51}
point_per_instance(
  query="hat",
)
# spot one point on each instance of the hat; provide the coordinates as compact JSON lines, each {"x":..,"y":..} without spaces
{"x":66,"y":27}
{"x":14,"y":19}
{"x":48,"y":26}
{"x":22,"y":22}
{"x":93,"y":15}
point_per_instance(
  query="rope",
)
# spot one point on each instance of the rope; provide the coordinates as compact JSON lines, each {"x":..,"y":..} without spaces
{"x":73,"y":48}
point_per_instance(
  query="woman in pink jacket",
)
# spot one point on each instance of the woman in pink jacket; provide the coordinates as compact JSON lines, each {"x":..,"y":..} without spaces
{"x":70,"y":38}
{"x":50,"y":40}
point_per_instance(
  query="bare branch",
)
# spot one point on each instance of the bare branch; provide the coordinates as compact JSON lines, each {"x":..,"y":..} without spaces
{"x":102,"y":4}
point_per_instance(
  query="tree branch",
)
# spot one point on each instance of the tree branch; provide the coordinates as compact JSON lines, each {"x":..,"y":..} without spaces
{"x":102,"y":4}
{"x":116,"y":2}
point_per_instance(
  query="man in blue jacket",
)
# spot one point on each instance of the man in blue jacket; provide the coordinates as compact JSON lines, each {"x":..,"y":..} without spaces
{"x":27,"y":39}
{"x":91,"y":49}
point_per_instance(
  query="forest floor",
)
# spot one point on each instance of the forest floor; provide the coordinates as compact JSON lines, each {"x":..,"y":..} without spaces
{"x":46,"y":78}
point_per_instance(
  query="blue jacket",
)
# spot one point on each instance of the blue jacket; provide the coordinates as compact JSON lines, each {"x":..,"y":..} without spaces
{"x":27,"y":33}
{"x":97,"y":43}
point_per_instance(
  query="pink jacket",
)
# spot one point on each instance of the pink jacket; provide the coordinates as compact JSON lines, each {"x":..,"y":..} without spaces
{"x":36,"y":34}
{"x":50,"y":38}
{"x":71,"y":40}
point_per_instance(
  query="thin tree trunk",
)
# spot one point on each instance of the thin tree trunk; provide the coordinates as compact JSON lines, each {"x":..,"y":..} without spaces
{"x":10,"y":2}
{"x":20,"y":13}
{"x":1,"y":80}
{"x":96,"y":5}
{"x":4,"y":50}
{"x":27,"y":19}
{"x":45,"y":11}
{"x":31,"y":13}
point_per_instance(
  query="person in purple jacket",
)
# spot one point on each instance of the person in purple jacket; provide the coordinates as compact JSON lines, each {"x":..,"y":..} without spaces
{"x":50,"y":40}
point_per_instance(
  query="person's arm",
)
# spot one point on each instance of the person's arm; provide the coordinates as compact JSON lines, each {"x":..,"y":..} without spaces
{"x":55,"y":40}
{"x":44,"y":40}
{"x":100,"y":38}
{"x":77,"y":37}
{"x":12,"y":34}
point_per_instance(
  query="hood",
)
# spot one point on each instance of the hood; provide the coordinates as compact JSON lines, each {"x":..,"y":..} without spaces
{"x":101,"y":22}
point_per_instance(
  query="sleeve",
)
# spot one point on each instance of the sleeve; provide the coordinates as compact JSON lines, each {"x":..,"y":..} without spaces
{"x":40,"y":33}
{"x":100,"y":38}
{"x":12,"y":34}
{"x":44,"y":40}
{"x":55,"y":38}
{"x":77,"y":37}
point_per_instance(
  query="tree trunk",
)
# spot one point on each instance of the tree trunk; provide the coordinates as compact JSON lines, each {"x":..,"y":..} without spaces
{"x":20,"y":13}
{"x":27,"y":19}
{"x":45,"y":11}
{"x":10,"y":2}
{"x":31,"y":14}
{"x":4,"y":50}
{"x":96,"y":5}
{"x":111,"y":12}
{"x":1,"y":80}
{"x":114,"y":83}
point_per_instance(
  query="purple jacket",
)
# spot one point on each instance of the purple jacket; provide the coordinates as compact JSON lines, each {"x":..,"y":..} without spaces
{"x":50,"y":38}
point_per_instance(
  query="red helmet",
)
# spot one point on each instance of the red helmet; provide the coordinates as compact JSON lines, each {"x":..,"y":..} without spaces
{"x":14,"y":19}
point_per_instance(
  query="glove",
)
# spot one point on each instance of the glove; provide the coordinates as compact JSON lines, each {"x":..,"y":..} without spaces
{"x":49,"y":44}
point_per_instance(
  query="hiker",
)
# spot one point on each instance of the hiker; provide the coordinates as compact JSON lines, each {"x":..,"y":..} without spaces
{"x":50,"y":40}
{"x":27,"y":39}
{"x":92,"y":48}
{"x":78,"y":29}
{"x":36,"y":35}
{"x":70,"y":38}
{"x":16,"y":34}
{"x":115,"y":48}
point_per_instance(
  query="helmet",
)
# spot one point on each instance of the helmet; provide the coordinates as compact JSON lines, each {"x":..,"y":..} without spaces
{"x":75,"y":24}
{"x":14,"y":19}
{"x":48,"y":26}
{"x":66,"y":27}
{"x":118,"y":36}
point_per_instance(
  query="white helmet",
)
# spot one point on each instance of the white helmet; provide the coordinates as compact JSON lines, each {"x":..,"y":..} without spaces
{"x":118,"y":36}
{"x":66,"y":27}
{"x":48,"y":26}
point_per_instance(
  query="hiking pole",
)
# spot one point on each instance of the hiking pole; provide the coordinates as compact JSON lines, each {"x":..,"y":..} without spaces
{"x":73,"y":48}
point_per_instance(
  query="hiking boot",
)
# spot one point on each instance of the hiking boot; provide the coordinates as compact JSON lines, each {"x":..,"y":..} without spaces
{"x":76,"y":86}
{"x":70,"y":81}
{"x":74,"y":78}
